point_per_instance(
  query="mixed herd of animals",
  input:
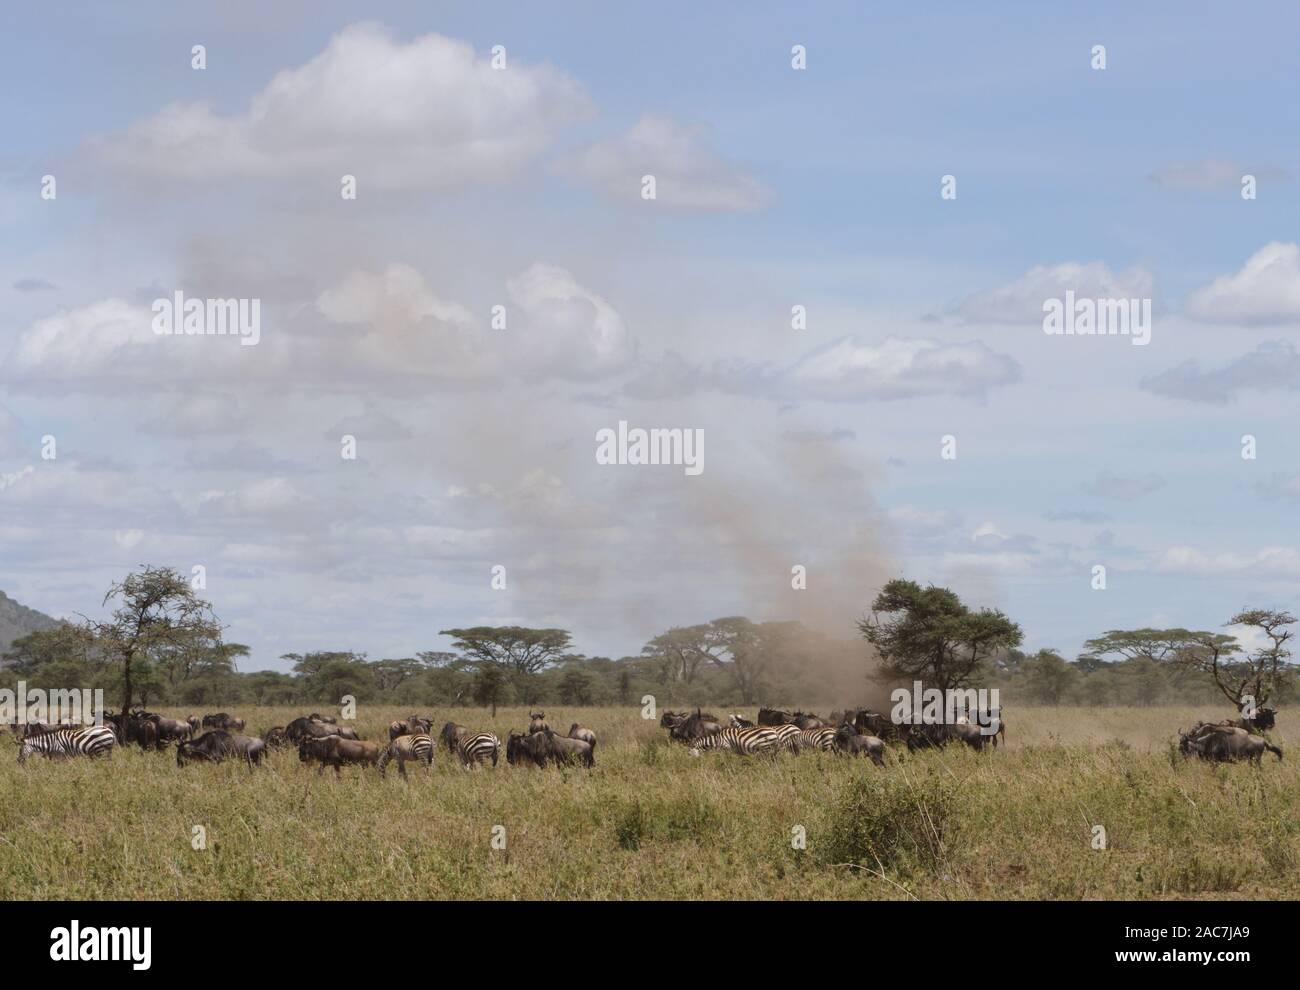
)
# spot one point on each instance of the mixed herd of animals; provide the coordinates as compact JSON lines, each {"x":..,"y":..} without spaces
{"x":322,"y":741}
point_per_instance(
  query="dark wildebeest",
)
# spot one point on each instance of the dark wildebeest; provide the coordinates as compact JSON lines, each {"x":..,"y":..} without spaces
{"x":540,"y":748}
{"x":142,"y":731}
{"x":774,"y":716}
{"x":1263,"y":720}
{"x":670,"y":718}
{"x":452,"y":735}
{"x":219,"y":745}
{"x":223,"y":720}
{"x":695,"y":726}
{"x":307,"y":726}
{"x":806,"y":720}
{"x":577,"y":731}
{"x":275,"y":737}
{"x":169,"y":729}
{"x":412,"y":726}
{"x":849,"y":740}
{"x":417,"y":747}
{"x":335,"y":751}
{"x":872,"y":723}
{"x":1228,"y":745}
{"x":327,"y":719}
{"x":538,"y":723}
{"x":924,"y":735}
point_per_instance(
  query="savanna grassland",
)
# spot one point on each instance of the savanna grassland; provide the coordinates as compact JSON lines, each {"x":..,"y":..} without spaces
{"x":650,"y":821}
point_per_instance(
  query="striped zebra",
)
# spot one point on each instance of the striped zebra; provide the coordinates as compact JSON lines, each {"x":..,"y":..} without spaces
{"x":757,"y":739}
{"x":90,"y":740}
{"x":478,"y":749}
{"x":417,"y":748}
{"x":823,"y":738}
{"x":789,"y":737}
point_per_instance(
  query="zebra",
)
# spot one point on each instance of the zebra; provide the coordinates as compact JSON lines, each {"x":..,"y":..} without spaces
{"x":756,"y":739}
{"x":789,"y":736}
{"x":478,"y":749}
{"x":90,"y":740}
{"x":417,"y":747}
{"x":823,"y":738}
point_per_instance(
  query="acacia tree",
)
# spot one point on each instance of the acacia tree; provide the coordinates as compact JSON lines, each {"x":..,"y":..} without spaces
{"x":521,"y":650}
{"x":156,"y":611}
{"x":1245,"y":678}
{"x":681,"y":651}
{"x":927,"y":634}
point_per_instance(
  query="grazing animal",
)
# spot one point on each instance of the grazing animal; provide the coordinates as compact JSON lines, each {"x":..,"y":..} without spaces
{"x":695,"y":726}
{"x":477,"y":749}
{"x":540,"y":748}
{"x":853,"y":743}
{"x":327,"y":719}
{"x":90,"y":740}
{"x":218,"y":745}
{"x":924,"y":735}
{"x":196,"y":724}
{"x":822,"y":738}
{"x":758,"y":739}
{"x":169,"y":729}
{"x":577,"y":731}
{"x":873,"y":723}
{"x":670,"y":718}
{"x":789,"y":737}
{"x":806,"y":720}
{"x":452,"y":735}
{"x":275,"y":737}
{"x":774,"y":716}
{"x":223,"y":720}
{"x":306,"y":726}
{"x":335,"y":751}
{"x":417,"y":747}
{"x":538,"y":723}
{"x":520,"y":749}
{"x":412,"y":726}
{"x":1230,"y":746}
{"x":740,"y":723}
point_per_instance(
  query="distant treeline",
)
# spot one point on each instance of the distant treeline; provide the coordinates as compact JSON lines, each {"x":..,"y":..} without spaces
{"x":163,"y":646}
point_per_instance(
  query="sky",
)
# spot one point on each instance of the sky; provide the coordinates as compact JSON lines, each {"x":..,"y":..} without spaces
{"x":510,"y":181}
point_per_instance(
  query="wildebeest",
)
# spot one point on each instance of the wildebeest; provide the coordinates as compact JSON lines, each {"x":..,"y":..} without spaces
{"x":307,"y":726}
{"x":327,"y":719}
{"x":577,"y":731}
{"x":872,"y":723}
{"x":218,"y":745}
{"x":411,"y":726}
{"x":334,"y":750}
{"x":540,"y":748}
{"x":853,"y":743}
{"x":223,"y":720}
{"x":537,"y":722}
{"x":417,"y":747}
{"x":671,"y":718}
{"x":452,"y":735}
{"x":169,"y":729}
{"x":774,"y":716}
{"x":921,"y":735}
{"x":695,"y":726}
{"x":1226,"y":743}
{"x":275,"y":737}
{"x":196,"y":724}
{"x":806,"y":720}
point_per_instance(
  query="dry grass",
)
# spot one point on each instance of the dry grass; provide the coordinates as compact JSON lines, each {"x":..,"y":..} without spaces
{"x":652,"y":822}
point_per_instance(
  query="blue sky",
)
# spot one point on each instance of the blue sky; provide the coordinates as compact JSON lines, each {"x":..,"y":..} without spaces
{"x":778,"y":187}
